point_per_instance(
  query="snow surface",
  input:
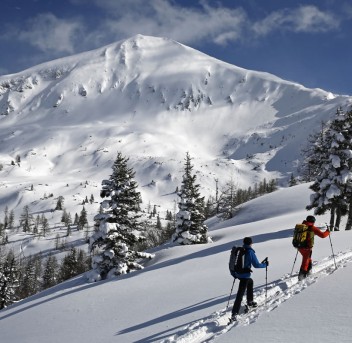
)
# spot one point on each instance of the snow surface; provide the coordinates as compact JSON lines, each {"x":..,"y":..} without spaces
{"x":181,"y":295}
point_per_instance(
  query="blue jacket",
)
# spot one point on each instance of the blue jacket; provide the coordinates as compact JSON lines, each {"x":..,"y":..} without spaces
{"x":250,"y":259}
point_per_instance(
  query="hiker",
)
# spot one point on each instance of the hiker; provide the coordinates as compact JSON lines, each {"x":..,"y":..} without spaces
{"x":246,"y":282}
{"x":306,"y":253}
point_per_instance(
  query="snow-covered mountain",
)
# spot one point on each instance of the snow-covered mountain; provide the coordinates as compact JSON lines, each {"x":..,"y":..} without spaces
{"x":153,"y":99}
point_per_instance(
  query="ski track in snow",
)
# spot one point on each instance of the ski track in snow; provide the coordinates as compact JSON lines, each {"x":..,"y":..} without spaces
{"x":209,"y":328}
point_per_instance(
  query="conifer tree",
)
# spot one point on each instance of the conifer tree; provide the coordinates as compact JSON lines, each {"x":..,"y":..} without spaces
{"x":60,"y":203}
{"x":45,"y":224}
{"x":8,"y":281}
{"x":68,"y":268}
{"x":117,"y":226}
{"x":66,"y":218}
{"x":30,"y":276}
{"x":2,"y":234}
{"x":26,"y":220}
{"x":6,"y":218}
{"x":228,"y":200}
{"x":333,"y":184}
{"x":82,"y":220}
{"x":190,"y":228}
{"x":50,"y":272}
{"x":313,"y":154}
{"x":76,"y":219}
{"x":74,"y":263}
{"x":11,"y":222}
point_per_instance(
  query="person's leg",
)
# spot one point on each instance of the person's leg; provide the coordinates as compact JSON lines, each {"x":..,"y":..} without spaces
{"x":310,"y":262}
{"x":249,"y":291}
{"x":241,"y":289}
{"x":306,"y":260}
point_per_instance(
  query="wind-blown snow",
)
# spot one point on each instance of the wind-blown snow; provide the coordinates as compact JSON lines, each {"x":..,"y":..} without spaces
{"x":181,"y":294}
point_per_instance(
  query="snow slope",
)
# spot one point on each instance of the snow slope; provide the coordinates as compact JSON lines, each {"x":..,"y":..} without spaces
{"x":181,"y":294}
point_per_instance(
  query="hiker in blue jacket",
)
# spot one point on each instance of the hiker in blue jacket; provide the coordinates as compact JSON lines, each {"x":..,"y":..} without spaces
{"x":246,"y":282}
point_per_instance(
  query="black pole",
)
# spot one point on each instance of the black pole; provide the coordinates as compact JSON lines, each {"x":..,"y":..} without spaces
{"x":266,"y":284}
{"x":332,"y":249}
{"x":294,"y":262}
{"x":234,"y":279}
{"x":266,"y":261}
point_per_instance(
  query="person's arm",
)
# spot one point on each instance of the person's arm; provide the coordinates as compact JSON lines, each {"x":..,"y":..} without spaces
{"x":255,"y":262}
{"x":321,"y":234}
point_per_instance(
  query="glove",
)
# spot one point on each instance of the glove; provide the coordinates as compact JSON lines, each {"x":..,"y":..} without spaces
{"x":266,"y":261}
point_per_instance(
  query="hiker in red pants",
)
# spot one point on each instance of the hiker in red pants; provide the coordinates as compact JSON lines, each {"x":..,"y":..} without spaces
{"x":306,"y":253}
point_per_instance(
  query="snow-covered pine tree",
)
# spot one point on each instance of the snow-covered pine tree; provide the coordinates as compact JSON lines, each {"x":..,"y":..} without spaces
{"x":227,"y":200}
{"x":26,"y":220}
{"x":60,"y":203}
{"x":313,"y":154}
{"x":8,"y":281}
{"x":82,"y":220}
{"x":190,"y":228}
{"x":51,"y":268}
{"x":29,"y":277}
{"x":117,"y":226}
{"x":68,"y":267}
{"x":333,"y":185}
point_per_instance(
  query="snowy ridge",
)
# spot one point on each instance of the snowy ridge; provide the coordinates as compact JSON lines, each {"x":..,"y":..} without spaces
{"x":279,"y":291}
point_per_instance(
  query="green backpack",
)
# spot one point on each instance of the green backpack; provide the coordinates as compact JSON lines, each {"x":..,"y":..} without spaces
{"x":303,"y":236}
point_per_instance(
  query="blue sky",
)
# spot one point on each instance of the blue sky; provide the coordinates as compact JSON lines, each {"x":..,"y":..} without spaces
{"x":303,"y":41}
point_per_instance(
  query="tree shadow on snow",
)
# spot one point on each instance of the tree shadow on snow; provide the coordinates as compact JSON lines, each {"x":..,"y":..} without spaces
{"x":179,"y":313}
{"x":66,"y":288}
{"x":217,"y":249}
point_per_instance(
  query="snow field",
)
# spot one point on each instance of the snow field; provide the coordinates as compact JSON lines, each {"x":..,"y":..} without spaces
{"x":277,"y":292}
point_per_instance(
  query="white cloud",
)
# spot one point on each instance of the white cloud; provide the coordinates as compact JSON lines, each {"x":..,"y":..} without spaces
{"x":192,"y":25}
{"x":164,"y":18}
{"x":205,"y":23}
{"x":307,"y":19}
{"x":51,"y":34}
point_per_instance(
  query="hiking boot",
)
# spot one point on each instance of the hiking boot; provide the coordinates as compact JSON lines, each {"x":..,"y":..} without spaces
{"x":302,"y":275}
{"x":252,"y":304}
{"x":233,"y":317}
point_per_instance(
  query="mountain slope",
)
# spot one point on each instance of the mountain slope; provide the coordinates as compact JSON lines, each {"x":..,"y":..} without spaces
{"x":183,"y":287}
{"x":153,"y":99}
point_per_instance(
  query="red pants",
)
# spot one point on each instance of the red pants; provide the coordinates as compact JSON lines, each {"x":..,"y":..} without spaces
{"x":306,"y":259}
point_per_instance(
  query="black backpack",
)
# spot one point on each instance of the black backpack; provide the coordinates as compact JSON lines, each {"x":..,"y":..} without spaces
{"x":236,"y":263}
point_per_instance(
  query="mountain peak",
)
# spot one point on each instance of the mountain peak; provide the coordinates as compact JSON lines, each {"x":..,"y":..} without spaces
{"x":154,"y":99}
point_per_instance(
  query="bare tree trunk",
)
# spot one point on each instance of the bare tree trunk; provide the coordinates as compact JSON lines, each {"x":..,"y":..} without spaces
{"x":338,"y":219}
{"x":349,"y":218}
{"x":332,"y":218}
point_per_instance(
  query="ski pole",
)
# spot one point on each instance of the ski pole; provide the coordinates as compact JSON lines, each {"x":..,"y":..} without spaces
{"x":266,"y":278}
{"x":294,"y":262}
{"x":266,"y":281}
{"x":234,"y":279}
{"x":332,"y":250}
{"x":266,"y":284}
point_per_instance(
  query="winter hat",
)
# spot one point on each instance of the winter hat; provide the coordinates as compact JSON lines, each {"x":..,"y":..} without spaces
{"x":310,"y":219}
{"x":247,"y":240}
